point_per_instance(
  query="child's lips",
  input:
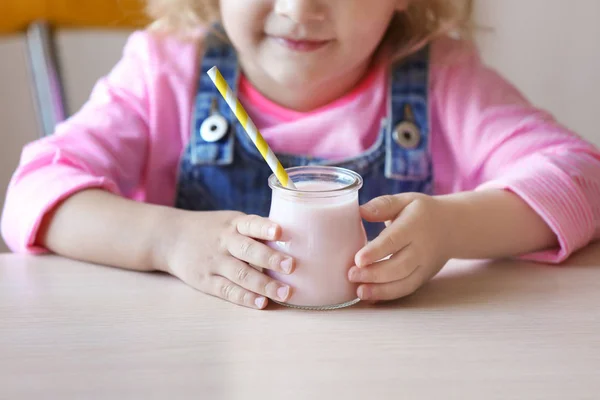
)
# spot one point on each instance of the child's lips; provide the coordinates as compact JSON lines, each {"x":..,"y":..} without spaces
{"x":301,"y":45}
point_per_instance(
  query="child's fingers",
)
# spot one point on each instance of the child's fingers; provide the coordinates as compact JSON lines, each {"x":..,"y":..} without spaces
{"x":393,"y":239}
{"x":259,"y":254}
{"x":227,"y":290}
{"x":393,"y":290}
{"x":399,"y":266}
{"x":251,"y":279}
{"x":385,"y":208}
{"x":258,"y":228}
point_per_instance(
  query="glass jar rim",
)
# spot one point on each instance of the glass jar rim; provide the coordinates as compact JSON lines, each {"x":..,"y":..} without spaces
{"x":355,"y":184}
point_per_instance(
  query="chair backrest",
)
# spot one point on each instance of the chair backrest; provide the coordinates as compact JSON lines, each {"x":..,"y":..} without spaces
{"x":38,"y":18}
{"x":17,"y":15}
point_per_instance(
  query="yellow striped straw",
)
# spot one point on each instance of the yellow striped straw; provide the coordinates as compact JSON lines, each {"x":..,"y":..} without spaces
{"x":250,"y":128}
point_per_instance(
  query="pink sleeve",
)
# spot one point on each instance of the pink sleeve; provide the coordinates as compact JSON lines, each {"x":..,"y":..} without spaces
{"x":102,"y":146}
{"x":501,"y":141}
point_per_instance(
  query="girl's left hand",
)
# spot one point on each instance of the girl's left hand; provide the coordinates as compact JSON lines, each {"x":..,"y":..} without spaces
{"x":417,"y":239}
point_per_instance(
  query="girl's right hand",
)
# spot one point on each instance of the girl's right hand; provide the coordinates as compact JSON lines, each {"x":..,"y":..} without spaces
{"x":213,"y":252}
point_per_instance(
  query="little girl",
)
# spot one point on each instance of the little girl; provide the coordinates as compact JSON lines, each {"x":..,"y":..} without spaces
{"x":456,"y":163}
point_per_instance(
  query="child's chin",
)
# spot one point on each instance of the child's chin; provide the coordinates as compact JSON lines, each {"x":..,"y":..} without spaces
{"x":297,"y":79}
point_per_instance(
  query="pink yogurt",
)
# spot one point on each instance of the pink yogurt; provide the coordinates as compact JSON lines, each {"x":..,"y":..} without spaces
{"x":322,"y":230}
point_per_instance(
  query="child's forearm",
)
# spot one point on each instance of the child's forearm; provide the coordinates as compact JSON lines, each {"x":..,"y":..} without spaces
{"x":99,"y":227}
{"x":495,"y":224}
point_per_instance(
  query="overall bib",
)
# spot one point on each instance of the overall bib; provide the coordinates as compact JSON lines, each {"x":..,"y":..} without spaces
{"x":220,"y":168}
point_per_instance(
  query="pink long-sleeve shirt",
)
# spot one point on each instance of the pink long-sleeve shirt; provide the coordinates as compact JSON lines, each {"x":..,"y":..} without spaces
{"x":129,"y":136}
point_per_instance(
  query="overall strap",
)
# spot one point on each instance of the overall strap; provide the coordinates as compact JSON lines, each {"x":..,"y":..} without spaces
{"x":213,"y":122}
{"x":408,"y":131}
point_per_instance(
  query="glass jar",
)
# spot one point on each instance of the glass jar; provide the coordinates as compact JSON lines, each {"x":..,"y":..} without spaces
{"x":323,"y":231}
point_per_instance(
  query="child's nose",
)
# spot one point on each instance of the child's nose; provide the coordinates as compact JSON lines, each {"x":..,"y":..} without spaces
{"x":300,"y":11}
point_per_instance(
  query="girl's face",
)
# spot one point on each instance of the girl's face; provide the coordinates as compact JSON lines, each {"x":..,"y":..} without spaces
{"x":306,"y":48}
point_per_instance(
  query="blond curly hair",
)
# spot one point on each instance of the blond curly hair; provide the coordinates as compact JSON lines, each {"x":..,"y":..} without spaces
{"x":423,"y":21}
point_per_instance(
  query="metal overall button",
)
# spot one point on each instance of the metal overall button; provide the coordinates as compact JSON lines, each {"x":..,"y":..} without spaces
{"x":215,"y":127}
{"x":406,"y":133}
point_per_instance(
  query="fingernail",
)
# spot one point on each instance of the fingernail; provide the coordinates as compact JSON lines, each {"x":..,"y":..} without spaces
{"x":287,"y":265}
{"x":370,"y":208}
{"x":260,"y":302}
{"x":283,"y":292}
{"x":364,"y":293}
{"x":354,"y":274}
{"x":361,"y":261}
{"x":272,"y":232}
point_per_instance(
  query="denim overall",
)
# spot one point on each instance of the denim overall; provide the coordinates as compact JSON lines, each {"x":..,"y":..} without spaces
{"x":230,"y":174}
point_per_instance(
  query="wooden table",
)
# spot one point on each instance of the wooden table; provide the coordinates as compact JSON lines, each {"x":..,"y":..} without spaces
{"x":478,"y":331}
